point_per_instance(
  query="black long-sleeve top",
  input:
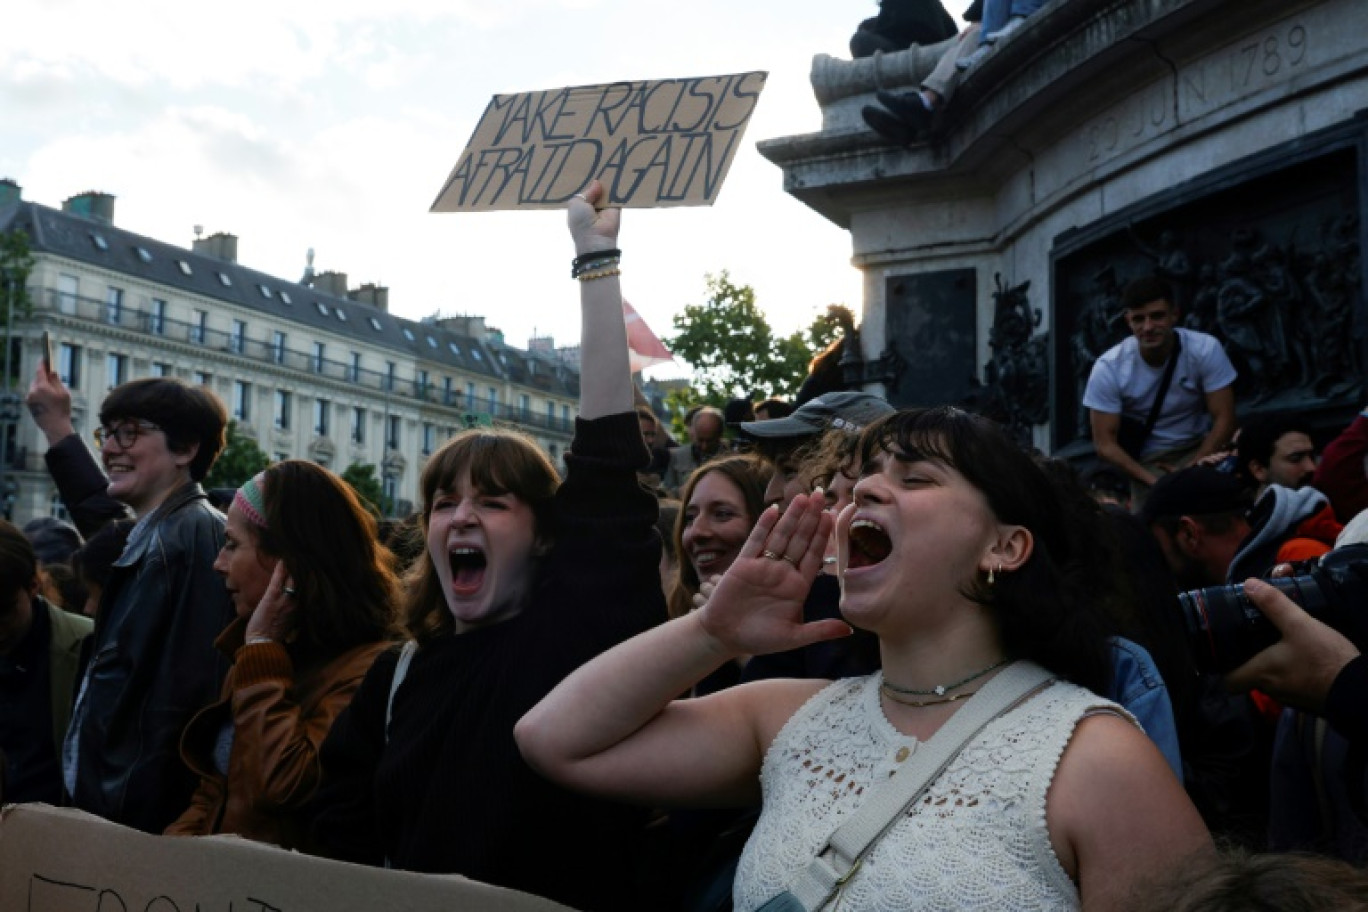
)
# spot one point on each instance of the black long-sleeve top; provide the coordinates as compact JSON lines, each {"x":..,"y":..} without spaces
{"x":449,"y":792}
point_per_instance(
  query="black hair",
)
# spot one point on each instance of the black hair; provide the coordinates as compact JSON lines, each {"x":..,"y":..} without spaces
{"x":1045,"y":609}
{"x":188,"y":415}
{"x":1146,"y":290}
{"x":1260,"y":435}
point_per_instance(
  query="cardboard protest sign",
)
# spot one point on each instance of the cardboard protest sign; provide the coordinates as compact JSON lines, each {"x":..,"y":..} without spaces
{"x":667,"y":142}
{"x":61,"y":860}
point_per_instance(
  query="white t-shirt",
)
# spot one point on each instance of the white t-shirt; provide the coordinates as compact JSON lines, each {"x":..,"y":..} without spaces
{"x":1122,"y":383}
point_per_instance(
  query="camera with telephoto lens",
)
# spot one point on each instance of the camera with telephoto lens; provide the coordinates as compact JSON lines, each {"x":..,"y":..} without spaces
{"x":1225,"y":629}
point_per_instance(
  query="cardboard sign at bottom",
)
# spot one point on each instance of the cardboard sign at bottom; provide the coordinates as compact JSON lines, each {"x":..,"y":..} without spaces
{"x":62,"y":860}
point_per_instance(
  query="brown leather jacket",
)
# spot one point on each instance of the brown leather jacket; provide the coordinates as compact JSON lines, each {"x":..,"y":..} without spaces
{"x":280,"y":716}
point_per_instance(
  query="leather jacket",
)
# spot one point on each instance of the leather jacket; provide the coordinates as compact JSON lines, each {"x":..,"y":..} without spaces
{"x":280,"y":715}
{"x":153,"y":665}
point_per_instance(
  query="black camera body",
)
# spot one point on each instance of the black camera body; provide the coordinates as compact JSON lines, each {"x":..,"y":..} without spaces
{"x":1225,"y":629}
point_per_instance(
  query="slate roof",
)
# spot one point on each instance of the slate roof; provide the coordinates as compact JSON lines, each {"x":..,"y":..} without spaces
{"x":89,"y":241}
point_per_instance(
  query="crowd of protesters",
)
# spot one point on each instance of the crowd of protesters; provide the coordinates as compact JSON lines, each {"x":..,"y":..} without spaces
{"x":697,"y":666}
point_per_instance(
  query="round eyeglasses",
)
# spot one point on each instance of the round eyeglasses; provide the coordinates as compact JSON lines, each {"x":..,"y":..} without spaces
{"x":125,"y":433}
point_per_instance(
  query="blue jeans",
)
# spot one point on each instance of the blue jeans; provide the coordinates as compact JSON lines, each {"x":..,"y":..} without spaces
{"x":997,"y":12}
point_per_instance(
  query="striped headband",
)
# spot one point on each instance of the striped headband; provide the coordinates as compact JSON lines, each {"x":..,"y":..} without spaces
{"x":248,"y":499}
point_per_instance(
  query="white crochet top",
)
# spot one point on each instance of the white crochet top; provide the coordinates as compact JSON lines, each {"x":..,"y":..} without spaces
{"x":976,"y":839}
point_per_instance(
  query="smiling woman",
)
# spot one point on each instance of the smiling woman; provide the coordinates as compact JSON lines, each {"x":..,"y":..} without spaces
{"x":722,"y":500}
{"x":523,"y":579}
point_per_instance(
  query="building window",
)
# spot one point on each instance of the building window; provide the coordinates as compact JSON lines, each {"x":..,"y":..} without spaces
{"x":422,"y":384}
{"x":69,"y":365}
{"x":493,"y":400}
{"x":242,"y":400}
{"x":278,"y":347}
{"x":225,"y":280}
{"x":282,"y":410}
{"x":392,"y":432}
{"x":447,"y":391}
{"x":470,"y":395}
{"x":565,"y":416}
{"x":114,"y":306}
{"x":389,"y":376}
{"x":389,"y":489}
{"x":160,"y":370}
{"x":550,"y":414}
{"x":198,"y":329}
{"x":358,"y":428}
{"x":285,"y":296}
{"x":429,"y":432}
{"x":184,"y":267}
{"x":68,"y":290}
{"x":318,"y":350}
{"x":525,"y":406}
{"x":356,"y":367}
{"x":237,"y":340}
{"x":156,"y":323}
{"x":202,"y":379}
{"x":116,"y":369}
{"x":321,"y":409}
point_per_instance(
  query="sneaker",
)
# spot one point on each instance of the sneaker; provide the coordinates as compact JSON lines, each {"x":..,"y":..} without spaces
{"x":890,"y":127}
{"x":1012,"y":25}
{"x":970,"y":61}
{"x":909,"y":108}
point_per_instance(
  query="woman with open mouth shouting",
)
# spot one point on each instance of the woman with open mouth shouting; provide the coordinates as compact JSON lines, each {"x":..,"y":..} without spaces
{"x":978,"y":769}
{"x":523,"y":579}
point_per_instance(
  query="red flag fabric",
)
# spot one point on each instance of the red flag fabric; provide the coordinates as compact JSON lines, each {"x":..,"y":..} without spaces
{"x":644,"y":347}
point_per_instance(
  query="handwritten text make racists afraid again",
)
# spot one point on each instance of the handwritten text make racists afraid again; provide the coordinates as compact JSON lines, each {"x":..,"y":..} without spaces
{"x":667,"y":142}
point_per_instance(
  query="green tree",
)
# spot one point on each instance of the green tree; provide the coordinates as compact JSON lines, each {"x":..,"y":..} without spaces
{"x":733,"y":350}
{"x":16,"y":262}
{"x":361,"y":477}
{"x":240,"y":460}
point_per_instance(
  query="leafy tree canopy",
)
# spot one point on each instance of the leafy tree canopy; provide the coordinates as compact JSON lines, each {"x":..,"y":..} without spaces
{"x":240,"y":460}
{"x":361,"y":476}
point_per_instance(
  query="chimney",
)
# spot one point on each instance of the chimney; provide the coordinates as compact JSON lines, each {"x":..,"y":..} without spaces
{"x":376,"y":296}
{"x":542,"y":345}
{"x":333,"y":283}
{"x":10,"y":192}
{"x":92,"y":205}
{"x":220,"y":246}
{"x":473,"y":327}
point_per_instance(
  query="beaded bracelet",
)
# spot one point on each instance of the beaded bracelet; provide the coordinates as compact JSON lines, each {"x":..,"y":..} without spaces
{"x":595,"y":259}
{"x":599,"y":274}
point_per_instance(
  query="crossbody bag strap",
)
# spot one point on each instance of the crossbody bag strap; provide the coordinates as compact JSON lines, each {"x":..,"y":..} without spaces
{"x":400,"y":672}
{"x":1153,"y":418}
{"x":840,"y":858}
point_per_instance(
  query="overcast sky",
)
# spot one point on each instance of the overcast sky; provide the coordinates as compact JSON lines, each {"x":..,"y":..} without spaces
{"x":333,"y":126}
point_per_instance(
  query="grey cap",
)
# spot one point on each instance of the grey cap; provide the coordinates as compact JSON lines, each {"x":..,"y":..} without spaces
{"x":851,"y":412}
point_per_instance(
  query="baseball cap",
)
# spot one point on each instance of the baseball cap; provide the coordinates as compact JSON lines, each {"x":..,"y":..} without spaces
{"x":1195,"y":491}
{"x":851,"y":412}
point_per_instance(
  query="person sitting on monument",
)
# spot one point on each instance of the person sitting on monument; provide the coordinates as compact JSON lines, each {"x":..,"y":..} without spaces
{"x":1197,"y":413}
{"x":900,"y":25}
{"x":907,"y":117}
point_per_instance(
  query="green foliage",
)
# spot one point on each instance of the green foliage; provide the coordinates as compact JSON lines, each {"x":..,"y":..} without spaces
{"x":361,"y":477}
{"x":16,"y":262}
{"x":734,"y":352}
{"x":240,"y":460}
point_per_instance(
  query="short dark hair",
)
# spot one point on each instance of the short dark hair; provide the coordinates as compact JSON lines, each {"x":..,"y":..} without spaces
{"x":1260,"y":435}
{"x":18,"y":564}
{"x":188,"y":415}
{"x":1146,"y":290}
{"x":775,"y":408}
{"x":1047,"y":609}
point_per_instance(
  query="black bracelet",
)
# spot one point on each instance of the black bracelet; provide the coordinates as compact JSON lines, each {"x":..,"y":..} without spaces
{"x":588,"y":260}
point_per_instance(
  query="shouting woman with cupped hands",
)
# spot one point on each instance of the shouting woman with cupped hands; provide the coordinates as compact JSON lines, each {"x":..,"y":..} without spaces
{"x":979,"y":768}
